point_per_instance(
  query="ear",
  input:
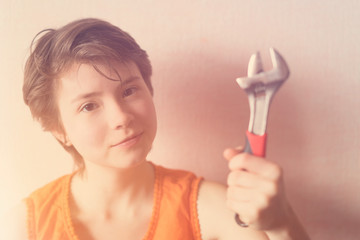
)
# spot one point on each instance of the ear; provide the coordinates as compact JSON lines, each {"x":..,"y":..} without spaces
{"x":61,"y":137}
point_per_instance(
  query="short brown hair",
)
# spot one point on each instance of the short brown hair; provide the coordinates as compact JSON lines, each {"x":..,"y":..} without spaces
{"x":90,"y":41}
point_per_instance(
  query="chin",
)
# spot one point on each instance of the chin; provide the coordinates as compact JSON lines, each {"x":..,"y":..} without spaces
{"x":136,"y":164}
{"x":126,"y":163}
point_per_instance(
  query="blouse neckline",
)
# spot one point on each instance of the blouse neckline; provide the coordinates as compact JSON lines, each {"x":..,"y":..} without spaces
{"x":65,"y":202}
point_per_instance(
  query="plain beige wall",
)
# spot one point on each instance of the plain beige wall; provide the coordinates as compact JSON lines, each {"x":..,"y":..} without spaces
{"x":198,"y":48}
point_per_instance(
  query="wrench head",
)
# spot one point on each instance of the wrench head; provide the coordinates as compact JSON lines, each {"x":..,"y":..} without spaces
{"x":255,"y":65}
{"x":261,"y":87}
{"x":256,"y":74}
{"x":280,"y":67}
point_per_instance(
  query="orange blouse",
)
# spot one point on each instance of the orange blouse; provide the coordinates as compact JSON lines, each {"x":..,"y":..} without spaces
{"x":174,"y":213}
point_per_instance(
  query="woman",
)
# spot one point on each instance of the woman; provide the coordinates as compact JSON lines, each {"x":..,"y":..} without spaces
{"x":88,"y":83}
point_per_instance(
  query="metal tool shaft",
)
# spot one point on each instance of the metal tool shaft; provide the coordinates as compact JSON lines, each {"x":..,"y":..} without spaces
{"x":261,"y":87}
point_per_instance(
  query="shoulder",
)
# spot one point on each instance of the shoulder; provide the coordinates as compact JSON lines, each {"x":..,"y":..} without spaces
{"x":14,"y":223}
{"x":177,"y":184}
{"x":173,"y":173}
{"x":216,"y":219}
{"x":51,"y":190}
{"x":176,"y":178}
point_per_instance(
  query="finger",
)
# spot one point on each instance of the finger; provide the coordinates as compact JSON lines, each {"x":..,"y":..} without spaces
{"x":229,"y":153}
{"x":256,"y":165}
{"x":259,"y":199}
{"x":245,"y":179}
{"x":241,"y":195}
{"x":264,"y":188}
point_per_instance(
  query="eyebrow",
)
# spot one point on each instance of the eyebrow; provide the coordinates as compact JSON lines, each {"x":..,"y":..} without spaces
{"x":85,"y":96}
{"x":96,"y":94}
{"x":130,"y":79}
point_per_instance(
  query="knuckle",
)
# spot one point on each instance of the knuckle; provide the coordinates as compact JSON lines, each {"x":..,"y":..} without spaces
{"x":261,"y":200}
{"x":264,"y":202}
{"x":246,"y":157}
{"x":231,"y":178}
{"x":273,"y":189}
{"x":237,"y":162}
{"x":233,"y":163}
{"x":276,"y":172}
{"x":234,"y":178}
{"x":253,"y":215}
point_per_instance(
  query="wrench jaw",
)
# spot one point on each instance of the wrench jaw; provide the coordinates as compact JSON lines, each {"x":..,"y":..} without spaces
{"x":255,"y":65}
{"x":261,"y":86}
{"x":279,"y":65}
{"x":279,"y":73}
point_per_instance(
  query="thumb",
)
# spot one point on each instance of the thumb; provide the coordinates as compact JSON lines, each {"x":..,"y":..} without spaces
{"x":229,"y":153}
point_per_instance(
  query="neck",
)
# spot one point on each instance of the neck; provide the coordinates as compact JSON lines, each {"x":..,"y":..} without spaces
{"x":102,"y":190}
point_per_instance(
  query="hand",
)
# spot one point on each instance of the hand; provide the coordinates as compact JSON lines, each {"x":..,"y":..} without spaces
{"x":256,"y":191}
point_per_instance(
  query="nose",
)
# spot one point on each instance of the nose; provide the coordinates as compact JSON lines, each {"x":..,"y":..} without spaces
{"x":119,"y":116}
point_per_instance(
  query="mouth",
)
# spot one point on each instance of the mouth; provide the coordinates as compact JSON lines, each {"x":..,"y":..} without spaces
{"x":129,"y":141}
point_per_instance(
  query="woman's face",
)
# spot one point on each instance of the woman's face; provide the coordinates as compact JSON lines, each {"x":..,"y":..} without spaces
{"x":110,"y":123}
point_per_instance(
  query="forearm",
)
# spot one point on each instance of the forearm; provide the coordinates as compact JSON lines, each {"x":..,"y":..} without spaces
{"x":292,"y":230}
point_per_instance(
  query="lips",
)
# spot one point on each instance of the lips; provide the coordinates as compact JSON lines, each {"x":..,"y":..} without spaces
{"x":129,"y":141}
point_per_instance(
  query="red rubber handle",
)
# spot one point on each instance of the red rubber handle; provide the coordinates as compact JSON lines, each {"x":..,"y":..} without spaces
{"x":255,"y":144}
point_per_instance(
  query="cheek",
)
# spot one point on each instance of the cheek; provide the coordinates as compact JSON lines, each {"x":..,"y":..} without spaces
{"x":82,"y":134}
{"x":149,"y":116}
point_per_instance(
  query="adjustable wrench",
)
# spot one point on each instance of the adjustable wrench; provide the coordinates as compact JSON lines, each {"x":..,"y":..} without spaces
{"x":261,"y":87}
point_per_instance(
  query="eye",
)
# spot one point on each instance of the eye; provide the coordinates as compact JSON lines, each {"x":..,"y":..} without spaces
{"x":129,"y":91}
{"x":88,"y":107}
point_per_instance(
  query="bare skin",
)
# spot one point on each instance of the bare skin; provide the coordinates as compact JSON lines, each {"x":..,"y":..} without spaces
{"x":255,"y":191}
{"x":112,"y":124}
{"x":113,"y":211}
